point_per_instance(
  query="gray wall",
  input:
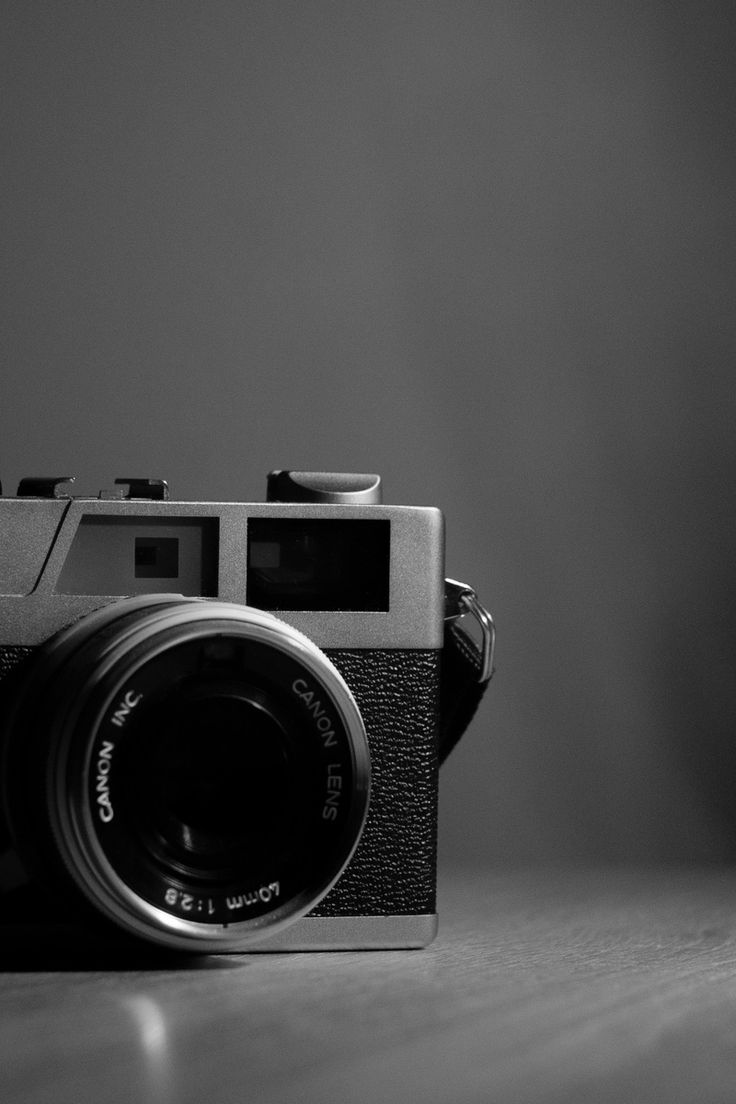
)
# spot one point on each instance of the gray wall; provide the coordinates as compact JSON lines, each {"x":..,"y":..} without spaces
{"x":484,"y":249}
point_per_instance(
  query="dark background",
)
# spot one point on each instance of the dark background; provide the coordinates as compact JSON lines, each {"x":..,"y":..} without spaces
{"x":485,"y":249}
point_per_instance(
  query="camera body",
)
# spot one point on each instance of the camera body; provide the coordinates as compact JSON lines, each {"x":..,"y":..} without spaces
{"x":313,"y":623}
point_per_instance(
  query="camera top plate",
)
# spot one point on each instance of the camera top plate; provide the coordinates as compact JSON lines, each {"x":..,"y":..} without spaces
{"x":61,"y":557}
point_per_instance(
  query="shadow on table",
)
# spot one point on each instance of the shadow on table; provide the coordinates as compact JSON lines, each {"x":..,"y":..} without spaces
{"x":37,"y":933}
{"x":43,"y":947}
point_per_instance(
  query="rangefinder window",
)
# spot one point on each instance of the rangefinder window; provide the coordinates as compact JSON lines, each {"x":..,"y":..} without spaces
{"x":157,"y":557}
{"x":137,"y":555}
{"x":318,"y":564}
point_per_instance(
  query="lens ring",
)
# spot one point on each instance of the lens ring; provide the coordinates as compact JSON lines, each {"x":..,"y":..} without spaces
{"x":124,"y":650}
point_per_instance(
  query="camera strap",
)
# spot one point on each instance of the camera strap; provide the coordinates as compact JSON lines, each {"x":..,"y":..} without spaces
{"x":467,"y":666}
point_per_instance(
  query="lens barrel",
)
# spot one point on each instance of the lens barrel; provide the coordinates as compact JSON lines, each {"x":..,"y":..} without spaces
{"x":199,"y":770}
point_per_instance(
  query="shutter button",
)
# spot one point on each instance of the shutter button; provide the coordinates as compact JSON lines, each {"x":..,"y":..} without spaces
{"x":339,"y":488}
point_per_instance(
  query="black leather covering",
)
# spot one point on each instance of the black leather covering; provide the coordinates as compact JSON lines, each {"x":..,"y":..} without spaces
{"x":393,"y":871}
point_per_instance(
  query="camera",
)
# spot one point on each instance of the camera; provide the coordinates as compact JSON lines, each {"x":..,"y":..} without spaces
{"x":221,"y":722}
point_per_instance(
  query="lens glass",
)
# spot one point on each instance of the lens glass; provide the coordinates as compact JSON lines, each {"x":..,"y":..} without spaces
{"x":214,"y":783}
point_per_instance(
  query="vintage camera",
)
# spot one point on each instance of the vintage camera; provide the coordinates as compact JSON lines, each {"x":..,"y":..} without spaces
{"x":222,"y":722}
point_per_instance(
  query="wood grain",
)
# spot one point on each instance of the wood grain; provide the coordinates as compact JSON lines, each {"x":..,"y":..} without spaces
{"x":613,"y":985}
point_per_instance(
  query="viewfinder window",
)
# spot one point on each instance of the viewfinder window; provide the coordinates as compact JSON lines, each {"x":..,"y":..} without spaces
{"x":128,"y":554}
{"x":318,"y":564}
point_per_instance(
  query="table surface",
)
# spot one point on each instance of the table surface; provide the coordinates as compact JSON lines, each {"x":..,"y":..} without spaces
{"x":608,"y":985}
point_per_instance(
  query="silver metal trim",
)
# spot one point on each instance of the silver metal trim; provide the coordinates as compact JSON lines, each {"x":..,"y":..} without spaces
{"x":352,"y":933}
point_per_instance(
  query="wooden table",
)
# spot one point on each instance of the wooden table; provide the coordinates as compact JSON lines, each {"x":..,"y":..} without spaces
{"x":582,"y":986}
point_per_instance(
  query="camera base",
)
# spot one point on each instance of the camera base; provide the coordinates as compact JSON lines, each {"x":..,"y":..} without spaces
{"x":352,"y":933}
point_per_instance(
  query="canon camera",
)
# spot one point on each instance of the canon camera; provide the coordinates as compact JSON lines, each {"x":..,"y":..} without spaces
{"x":221,"y":723}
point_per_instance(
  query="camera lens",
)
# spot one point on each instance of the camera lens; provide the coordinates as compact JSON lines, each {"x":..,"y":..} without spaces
{"x":191,"y":784}
{"x":207,"y":769}
{"x":215,"y":783}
